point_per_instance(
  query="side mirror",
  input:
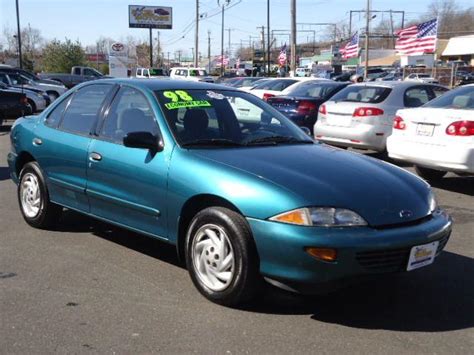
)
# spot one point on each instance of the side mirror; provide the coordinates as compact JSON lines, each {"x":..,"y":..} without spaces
{"x":306,"y":130}
{"x":144,"y":140}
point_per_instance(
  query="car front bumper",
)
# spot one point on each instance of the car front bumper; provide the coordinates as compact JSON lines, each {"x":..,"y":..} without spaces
{"x":361,"y":251}
{"x":457,"y":157}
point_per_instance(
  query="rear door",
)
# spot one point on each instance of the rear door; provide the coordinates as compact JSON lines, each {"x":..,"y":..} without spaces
{"x":61,"y":144}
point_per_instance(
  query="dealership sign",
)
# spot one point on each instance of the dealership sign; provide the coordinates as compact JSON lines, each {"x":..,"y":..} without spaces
{"x":150,"y":16}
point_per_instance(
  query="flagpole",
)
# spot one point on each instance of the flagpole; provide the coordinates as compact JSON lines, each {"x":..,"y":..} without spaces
{"x":367,"y":40}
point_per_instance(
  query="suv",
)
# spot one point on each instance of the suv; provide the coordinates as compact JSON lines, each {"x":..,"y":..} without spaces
{"x":191,"y":74}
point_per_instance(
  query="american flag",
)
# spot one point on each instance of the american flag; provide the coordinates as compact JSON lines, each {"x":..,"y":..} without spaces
{"x":282,"y":56}
{"x":351,"y":49}
{"x":417,"y":39}
{"x":223,"y":60}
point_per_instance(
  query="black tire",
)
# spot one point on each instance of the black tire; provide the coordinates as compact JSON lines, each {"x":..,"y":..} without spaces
{"x":430,"y":174}
{"x":33,"y":105}
{"x":48,"y":213}
{"x":52,"y":95}
{"x":246,"y":280}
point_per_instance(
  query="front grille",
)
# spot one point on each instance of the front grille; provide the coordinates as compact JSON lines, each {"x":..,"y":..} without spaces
{"x":390,"y":260}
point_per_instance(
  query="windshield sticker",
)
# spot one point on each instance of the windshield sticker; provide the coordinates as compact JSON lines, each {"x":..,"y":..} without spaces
{"x":215,"y":95}
{"x":178,"y":95}
{"x":187,"y":104}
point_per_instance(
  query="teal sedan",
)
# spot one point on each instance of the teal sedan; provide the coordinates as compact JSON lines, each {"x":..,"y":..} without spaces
{"x":243,"y":193}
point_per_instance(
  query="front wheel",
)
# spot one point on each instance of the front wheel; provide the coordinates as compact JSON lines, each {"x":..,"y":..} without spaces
{"x":430,"y":174}
{"x":221,"y":256}
{"x":33,"y":197}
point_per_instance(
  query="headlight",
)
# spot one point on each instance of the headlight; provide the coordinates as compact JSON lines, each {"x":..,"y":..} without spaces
{"x":321,"y":217}
{"x":432,"y":201}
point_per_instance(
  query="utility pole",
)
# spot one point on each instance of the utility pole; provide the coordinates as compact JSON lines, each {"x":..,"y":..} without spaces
{"x":367,"y":25}
{"x":229,"y":44}
{"x":196,"y":35}
{"x":293,"y":36}
{"x":391,"y":29}
{"x":168,"y":54}
{"x":151,"y":48}
{"x":158,"y":49}
{"x":179,"y":57}
{"x":262,"y":36}
{"x":20,"y":61}
{"x":224,"y":3}
{"x":350,"y":24}
{"x":194,"y":57}
{"x":268,"y":37}
{"x":209,"y":50}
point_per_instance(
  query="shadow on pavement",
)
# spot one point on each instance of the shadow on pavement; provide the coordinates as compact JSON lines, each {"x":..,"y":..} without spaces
{"x":4,"y":173}
{"x":5,"y":130}
{"x":437,"y":298}
{"x":75,"y":222}
{"x":462,"y":185}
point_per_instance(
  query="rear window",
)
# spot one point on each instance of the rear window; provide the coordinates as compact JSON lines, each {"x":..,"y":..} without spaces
{"x":359,"y":93}
{"x":310,"y":89}
{"x":276,"y":85}
{"x":461,"y":98}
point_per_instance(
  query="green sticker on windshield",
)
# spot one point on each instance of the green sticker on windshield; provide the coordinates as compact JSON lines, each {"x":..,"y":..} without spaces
{"x":187,"y":104}
{"x":182,"y":99}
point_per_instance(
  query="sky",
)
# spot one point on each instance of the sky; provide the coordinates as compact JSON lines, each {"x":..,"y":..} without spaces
{"x":87,"y":20}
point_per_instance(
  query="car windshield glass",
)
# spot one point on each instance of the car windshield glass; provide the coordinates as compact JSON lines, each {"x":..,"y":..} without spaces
{"x":311,"y":89}
{"x":460,"y":98}
{"x":362,"y":93}
{"x":197,"y":72}
{"x":221,"y":118}
{"x":277,"y":85}
{"x":156,"y":72}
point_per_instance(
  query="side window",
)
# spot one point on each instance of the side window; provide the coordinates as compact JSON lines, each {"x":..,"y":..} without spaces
{"x":139,"y":72}
{"x":438,"y":90}
{"x":77,"y":71}
{"x":55,"y":115}
{"x":82,"y":112}
{"x":130,"y":112}
{"x":415,"y":97}
{"x":4,"y":79}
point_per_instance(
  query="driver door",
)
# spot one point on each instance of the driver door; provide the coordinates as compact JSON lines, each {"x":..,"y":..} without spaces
{"x":128,"y":185}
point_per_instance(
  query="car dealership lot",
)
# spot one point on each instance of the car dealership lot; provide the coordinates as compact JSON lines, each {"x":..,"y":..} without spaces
{"x":88,"y":286}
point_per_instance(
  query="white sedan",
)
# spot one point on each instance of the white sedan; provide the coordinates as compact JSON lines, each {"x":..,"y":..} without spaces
{"x":438,"y":137}
{"x":274,"y":87}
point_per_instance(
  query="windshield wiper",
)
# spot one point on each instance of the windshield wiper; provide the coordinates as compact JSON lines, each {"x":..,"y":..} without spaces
{"x":278,"y":139}
{"x":212,"y":142}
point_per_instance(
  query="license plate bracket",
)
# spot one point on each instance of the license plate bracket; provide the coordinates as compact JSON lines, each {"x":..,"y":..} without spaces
{"x":425,"y":130}
{"x":422,"y":255}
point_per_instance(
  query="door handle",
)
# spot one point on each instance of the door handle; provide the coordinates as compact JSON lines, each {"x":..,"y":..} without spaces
{"x":95,"y":157}
{"x":37,"y":141}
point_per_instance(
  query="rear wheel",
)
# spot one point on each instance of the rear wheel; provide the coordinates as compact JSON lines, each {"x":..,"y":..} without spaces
{"x":429,"y":174}
{"x":221,"y":256}
{"x":32,"y":104}
{"x":33,"y":197}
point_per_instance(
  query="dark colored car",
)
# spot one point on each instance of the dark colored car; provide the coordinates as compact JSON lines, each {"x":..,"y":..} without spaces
{"x":346,"y":76}
{"x":301,"y":104}
{"x":13,"y":105}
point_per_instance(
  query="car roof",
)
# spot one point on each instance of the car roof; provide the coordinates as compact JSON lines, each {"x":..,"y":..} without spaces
{"x":155,"y":84}
{"x":393,"y":84}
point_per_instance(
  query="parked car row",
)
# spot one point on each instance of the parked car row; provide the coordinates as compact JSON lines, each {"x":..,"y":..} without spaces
{"x":422,"y":118}
{"x":12,"y":105}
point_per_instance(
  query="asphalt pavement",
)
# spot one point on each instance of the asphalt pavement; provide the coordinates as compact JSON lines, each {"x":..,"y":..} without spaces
{"x":88,"y":287}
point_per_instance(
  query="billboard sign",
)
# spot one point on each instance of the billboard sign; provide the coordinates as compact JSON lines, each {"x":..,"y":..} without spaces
{"x":150,"y":16}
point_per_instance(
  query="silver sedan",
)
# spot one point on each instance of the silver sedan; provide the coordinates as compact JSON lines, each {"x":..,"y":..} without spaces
{"x":361,"y":115}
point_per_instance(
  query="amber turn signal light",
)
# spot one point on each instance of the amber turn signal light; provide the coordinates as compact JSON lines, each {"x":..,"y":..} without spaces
{"x":324,"y":254}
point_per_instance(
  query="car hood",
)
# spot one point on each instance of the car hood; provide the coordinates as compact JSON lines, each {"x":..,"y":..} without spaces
{"x":320,"y":175}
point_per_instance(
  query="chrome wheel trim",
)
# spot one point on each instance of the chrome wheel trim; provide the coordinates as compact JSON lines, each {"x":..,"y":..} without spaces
{"x":30,"y":195}
{"x":213,"y":257}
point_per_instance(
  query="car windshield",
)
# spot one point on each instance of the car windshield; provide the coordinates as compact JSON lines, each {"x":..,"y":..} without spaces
{"x":423,"y":76}
{"x":312,"y":89}
{"x":197,"y":72}
{"x":461,"y":98}
{"x":362,"y":93}
{"x":221,"y":118}
{"x":276,"y":84}
{"x":156,"y":72}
